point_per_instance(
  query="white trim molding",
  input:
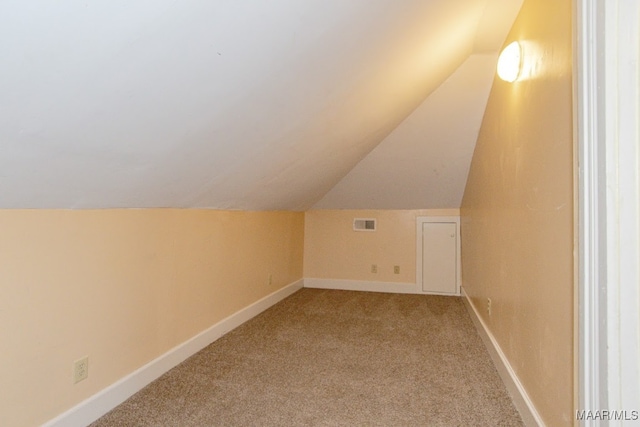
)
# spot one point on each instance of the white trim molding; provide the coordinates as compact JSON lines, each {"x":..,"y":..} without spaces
{"x":516,"y":390}
{"x":591,"y":208}
{"x":621,"y":116}
{"x":102,"y":402}
{"x":361,"y":285}
{"x":607,"y":64}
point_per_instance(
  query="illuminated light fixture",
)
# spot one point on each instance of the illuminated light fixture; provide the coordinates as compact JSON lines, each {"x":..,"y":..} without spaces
{"x":509,"y":62}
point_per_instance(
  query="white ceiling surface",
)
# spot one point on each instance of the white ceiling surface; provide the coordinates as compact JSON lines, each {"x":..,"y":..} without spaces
{"x":233,"y":104}
{"x":424,"y":162}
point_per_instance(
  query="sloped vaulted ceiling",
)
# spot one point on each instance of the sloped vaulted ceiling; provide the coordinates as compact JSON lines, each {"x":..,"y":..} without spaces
{"x":239,"y":104}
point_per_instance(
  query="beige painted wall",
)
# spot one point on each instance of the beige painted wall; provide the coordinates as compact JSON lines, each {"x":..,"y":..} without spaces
{"x":123,"y":287}
{"x":332,"y":250}
{"x":517,"y":212}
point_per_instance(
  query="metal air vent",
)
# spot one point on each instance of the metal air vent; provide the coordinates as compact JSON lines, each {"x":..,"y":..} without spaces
{"x":364,"y":224}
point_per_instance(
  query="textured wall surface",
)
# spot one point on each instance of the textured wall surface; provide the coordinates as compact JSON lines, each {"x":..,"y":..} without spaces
{"x":517,"y":212}
{"x":332,"y":250}
{"x":123,"y":287}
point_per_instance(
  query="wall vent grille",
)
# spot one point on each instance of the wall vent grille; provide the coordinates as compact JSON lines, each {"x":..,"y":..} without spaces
{"x":364,"y":224}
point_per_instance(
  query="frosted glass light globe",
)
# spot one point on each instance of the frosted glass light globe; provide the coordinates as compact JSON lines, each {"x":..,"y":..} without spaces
{"x":509,"y":62}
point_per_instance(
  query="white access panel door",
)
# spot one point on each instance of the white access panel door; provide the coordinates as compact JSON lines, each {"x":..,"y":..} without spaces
{"x":439,"y":257}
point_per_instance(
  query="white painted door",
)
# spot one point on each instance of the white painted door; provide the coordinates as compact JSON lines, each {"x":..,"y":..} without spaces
{"x":439,"y":257}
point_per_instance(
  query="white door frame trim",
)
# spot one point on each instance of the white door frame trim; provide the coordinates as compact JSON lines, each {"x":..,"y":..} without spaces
{"x":607,"y":112}
{"x":589,"y":129}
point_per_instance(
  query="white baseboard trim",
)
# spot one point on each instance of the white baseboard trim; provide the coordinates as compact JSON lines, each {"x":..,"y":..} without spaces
{"x":102,"y":402}
{"x":361,"y":285}
{"x":521,"y":400}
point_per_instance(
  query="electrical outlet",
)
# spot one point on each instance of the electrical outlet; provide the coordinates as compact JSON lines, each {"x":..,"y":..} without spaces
{"x":396,"y":269}
{"x":374,"y":268}
{"x":489,"y":306}
{"x":80,"y":369}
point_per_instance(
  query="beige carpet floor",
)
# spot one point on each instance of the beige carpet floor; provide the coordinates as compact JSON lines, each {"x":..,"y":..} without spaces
{"x":334,"y":358}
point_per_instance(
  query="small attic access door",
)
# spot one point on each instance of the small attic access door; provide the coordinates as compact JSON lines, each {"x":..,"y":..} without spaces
{"x":438,"y":260}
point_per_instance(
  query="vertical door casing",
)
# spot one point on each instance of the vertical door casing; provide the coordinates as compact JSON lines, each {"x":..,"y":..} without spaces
{"x":438,"y":260}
